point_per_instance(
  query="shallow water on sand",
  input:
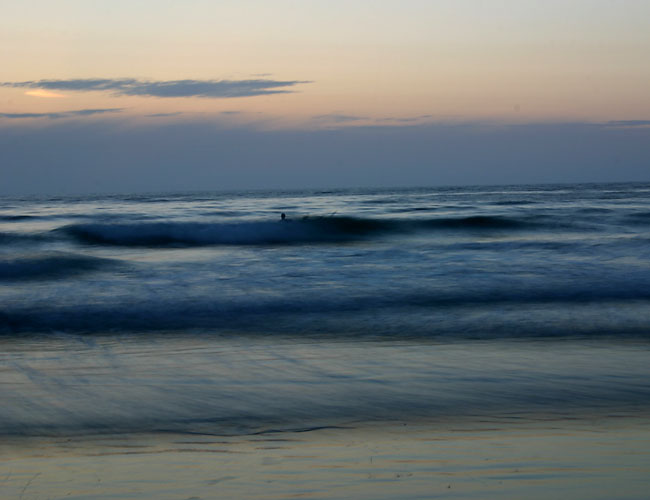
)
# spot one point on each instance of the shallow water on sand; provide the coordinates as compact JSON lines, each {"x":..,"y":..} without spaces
{"x":487,"y":459}
{"x":224,"y":385}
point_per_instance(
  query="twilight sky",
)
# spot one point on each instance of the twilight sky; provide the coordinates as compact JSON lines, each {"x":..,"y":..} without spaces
{"x":163,"y":95}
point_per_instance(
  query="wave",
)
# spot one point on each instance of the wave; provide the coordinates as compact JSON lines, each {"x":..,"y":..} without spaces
{"x":202,"y":233}
{"x":414,"y":210}
{"x":515,"y":202}
{"x":12,"y":238}
{"x":639,"y":218}
{"x":12,"y":218}
{"x":306,"y":230}
{"x":50,"y":266}
{"x":516,"y":311}
{"x":478,"y":222}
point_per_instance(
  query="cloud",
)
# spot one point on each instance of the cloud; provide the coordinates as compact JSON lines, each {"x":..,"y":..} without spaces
{"x":172,"y":88}
{"x":339,"y":118}
{"x":629,"y":123}
{"x":62,"y":114}
{"x":408,"y":119}
{"x":163,"y":115}
{"x":355,"y":120}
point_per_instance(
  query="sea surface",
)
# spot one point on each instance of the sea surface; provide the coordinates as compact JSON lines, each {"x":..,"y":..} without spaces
{"x":205,"y":313}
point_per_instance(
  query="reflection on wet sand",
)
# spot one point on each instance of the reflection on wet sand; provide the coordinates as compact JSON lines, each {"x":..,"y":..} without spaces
{"x":553,"y":459}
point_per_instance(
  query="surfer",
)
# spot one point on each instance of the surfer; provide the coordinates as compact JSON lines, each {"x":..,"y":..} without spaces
{"x":283,"y":217}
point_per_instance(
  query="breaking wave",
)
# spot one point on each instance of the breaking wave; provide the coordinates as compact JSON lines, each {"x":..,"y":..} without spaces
{"x":306,"y":230}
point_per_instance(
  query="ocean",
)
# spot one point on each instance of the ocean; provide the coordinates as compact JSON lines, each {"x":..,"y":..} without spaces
{"x":206,"y":314}
{"x":175,"y":310}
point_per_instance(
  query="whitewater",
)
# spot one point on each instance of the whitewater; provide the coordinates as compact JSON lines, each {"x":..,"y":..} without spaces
{"x":205,"y":313}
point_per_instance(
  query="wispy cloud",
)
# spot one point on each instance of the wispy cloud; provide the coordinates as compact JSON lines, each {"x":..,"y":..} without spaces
{"x":407,"y":119}
{"x":357,"y":120}
{"x":62,"y":114}
{"x":338,"y":118}
{"x":163,"y":115}
{"x":629,"y":123}
{"x":169,"y":88}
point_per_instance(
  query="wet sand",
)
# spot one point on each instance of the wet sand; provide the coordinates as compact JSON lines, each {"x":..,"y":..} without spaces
{"x":509,"y":458}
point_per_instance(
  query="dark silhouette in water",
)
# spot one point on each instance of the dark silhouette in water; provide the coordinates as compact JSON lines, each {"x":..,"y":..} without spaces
{"x":283,"y":217}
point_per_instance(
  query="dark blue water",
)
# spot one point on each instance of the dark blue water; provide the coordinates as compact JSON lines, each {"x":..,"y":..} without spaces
{"x":204,"y":310}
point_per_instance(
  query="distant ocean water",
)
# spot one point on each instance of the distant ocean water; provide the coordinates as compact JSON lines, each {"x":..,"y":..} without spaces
{"x":205,"y":311}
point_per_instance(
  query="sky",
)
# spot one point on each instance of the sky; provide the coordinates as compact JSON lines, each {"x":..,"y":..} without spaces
{"x":151,"y":95}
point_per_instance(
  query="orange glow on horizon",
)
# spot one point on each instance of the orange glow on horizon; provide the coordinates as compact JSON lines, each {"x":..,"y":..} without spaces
{"x":43,"y":93}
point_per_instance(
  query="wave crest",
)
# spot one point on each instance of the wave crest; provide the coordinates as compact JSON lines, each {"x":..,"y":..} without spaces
{"x":299,"y":231}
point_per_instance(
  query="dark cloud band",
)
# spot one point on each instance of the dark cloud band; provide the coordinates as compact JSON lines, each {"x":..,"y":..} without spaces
{"x":629,"y":123}
{"x":172,"y":88}
{"x":62,"y":114}
{"x":338,"y":118}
